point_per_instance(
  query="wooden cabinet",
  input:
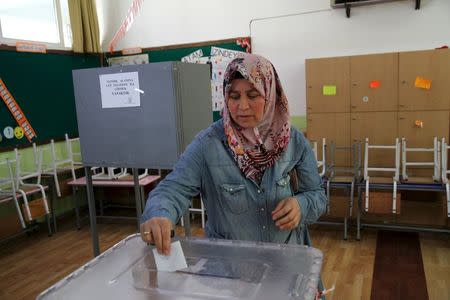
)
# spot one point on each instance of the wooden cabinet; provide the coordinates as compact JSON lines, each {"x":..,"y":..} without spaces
{"x":384,"y":97}
{"x":381,"y":129}
{"x":420,"y":127}
{"x":374,"y":82}
{"x":334,"y":127}
{"x":327,"y":72}
{"x":415,"y":70}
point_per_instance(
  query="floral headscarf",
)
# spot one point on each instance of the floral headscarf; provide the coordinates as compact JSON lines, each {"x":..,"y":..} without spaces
{"x":256,"y":149}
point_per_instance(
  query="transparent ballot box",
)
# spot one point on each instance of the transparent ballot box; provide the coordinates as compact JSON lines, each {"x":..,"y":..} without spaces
{"x":217,"y":269}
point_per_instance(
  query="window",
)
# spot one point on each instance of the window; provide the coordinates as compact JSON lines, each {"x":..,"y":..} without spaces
{"x":44,"y":21}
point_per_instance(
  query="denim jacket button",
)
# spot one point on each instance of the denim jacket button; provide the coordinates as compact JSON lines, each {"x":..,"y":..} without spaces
{"x":258,"y":191}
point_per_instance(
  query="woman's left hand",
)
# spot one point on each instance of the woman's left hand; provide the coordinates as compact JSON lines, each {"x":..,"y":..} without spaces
{"x":287,"y":214}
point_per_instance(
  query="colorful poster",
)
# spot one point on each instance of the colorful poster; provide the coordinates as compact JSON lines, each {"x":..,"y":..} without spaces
{"x":218,"y":61}
{"x":226,"y":53}
{"x":128,"y":60}
{"x":193,"y":57}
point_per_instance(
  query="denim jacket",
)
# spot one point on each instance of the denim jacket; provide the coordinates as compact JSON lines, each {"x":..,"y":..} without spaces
{"x":239,"y":208}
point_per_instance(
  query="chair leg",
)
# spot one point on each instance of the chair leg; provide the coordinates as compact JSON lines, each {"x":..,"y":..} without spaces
{"x":203,"y":212}
{"x":77,"y":207}
{"x":27,"y":207}
{"x":44,"y":199}
{"x":394,"y":198}
{"x":19,"y":213}
{"x":358,"y":215}
{"x":328,"y":197}
{"x":345,"y":228}
{"x":55,"y":177}
{"x":49,"y":227}
{"x":352,"y":196}
{"x":366,"y":208}
{"x":447,"y":189}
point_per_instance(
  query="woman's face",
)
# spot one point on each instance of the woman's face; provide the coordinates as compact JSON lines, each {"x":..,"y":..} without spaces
{"x":245,"y":103}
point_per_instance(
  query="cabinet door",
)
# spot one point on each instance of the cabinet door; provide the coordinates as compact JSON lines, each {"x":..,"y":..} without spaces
{"x":322,"y":75}
{"x":374,"y":82}
{"x":432,"y":65}
{"x":381,"y":129}
{"x":433,"y":124}
{"x":334,"y":127}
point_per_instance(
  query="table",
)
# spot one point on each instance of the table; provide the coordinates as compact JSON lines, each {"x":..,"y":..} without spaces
{"x":401,"y":186}
{"x":125,"y":182}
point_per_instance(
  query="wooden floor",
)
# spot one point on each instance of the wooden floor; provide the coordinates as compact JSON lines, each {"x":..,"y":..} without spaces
{"x":30,"y":264}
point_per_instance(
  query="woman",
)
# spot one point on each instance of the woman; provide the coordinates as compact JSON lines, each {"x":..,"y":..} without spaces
{"x":241,"y":166}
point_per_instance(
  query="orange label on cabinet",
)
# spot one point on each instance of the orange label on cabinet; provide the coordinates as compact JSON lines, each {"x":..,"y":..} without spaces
{"x":422,"y":83}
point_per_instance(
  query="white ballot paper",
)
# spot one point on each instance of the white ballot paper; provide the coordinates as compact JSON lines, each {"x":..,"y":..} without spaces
{"x":173,"y":262}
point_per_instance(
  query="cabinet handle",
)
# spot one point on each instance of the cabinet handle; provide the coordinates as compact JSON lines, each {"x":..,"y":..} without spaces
{"x":355,"y":84}
{"x":354,"y":106}
{"x":403,"y":81}
{"x":309,"y":87}
{"x":401,"y":118}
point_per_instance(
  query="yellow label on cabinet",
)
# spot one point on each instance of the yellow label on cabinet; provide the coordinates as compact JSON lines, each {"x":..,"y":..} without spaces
{"x":329,"y":90}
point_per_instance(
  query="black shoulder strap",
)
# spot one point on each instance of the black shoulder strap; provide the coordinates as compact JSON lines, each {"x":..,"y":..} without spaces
{"x":294,"y":181}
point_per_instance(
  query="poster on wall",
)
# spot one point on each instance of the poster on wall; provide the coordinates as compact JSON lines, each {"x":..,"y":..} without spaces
{"x":193,"y":57}
{"x":128,"y":60}
{"x":218,"y":60}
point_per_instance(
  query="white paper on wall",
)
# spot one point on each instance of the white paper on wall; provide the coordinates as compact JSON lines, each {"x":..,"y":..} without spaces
{"x":226,"y":53}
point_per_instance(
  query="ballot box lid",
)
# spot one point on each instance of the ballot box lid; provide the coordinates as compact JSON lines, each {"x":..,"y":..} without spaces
{"x":217,"y":269}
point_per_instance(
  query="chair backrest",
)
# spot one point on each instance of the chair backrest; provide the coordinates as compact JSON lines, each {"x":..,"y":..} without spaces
{"x":7,"y":184}
{"x":75,"y":156}
{"x":34,"y":172}
{"x":355,"y":154}
{"x":394,"y":169}
{"x":435,"y":164}
{"x":320,"y":163}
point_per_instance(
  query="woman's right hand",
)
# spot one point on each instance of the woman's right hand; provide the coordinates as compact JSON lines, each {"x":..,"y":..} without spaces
{"x":157,"y":231}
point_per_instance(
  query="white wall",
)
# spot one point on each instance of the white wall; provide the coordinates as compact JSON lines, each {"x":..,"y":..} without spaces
{"x":287,"y":40}
{"x":169,"y":22}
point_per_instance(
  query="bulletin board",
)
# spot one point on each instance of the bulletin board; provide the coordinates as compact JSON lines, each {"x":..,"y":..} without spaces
{"x":42,"y":86}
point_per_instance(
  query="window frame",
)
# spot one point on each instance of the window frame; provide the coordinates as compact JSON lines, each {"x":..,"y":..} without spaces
{"x":60,"y":30}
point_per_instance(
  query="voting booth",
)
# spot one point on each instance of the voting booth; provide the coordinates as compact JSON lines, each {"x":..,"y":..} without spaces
{"x":141,"y":116}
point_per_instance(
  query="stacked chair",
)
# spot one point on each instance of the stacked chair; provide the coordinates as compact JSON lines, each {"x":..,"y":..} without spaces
{"x":345,"y":177}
